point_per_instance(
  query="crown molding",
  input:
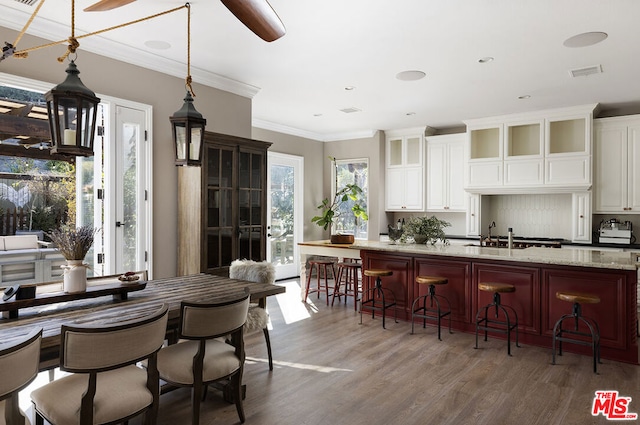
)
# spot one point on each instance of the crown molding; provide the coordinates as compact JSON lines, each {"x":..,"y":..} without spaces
{"x":279,"y":128}
{"x":99,"y":45}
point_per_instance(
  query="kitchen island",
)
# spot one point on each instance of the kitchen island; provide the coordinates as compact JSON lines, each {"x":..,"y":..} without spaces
{"x":537,"y":274}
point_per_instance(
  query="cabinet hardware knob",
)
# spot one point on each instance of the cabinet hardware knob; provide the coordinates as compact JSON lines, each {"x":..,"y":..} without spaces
{"x":581,"y":216}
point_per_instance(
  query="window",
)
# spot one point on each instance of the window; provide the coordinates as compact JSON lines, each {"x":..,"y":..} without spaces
{"x":352,"y":171}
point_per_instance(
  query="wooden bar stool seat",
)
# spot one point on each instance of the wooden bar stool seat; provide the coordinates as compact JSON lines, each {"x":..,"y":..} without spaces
{"x":577,"y":298}
{"x":374,"y":298}
{"x":325,"y":266}
{"x":431,"y":312}
{"x":487,"y":324}
{"x":347,"y":272}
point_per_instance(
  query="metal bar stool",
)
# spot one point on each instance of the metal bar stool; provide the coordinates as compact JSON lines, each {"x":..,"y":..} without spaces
{"x":576,"y":314}
{"x":376,"y":296}
{"x":325,"y":265}
{"x":347,"y":271}
{"x":430,"y":312}
{"x":500,"y":326}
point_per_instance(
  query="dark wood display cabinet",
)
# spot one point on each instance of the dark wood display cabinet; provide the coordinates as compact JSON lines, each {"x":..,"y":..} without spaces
{"x":222,"y":205}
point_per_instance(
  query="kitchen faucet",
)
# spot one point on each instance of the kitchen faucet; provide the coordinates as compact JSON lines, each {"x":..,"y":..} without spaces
{"x":493,"y":224}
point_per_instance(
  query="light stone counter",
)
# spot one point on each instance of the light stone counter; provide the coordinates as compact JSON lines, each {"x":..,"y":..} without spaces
{"x":555,"y":256}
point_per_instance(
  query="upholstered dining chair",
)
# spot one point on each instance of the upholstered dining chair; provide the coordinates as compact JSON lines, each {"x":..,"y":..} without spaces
{"x":19,"y":361}
{"x":105,"y":385}
{"x":202,"y":356}
{"x":257,"y":318}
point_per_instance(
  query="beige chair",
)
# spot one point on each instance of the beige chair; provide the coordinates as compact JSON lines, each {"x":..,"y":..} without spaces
{"x":257,"y":318}
{"x":200,"y":358}
{"x":106,"y":386}
{"x":19,"y":361}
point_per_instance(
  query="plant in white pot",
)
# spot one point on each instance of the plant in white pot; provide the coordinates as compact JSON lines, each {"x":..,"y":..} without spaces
{"x":425,"y":230}
{"x":74,"y":244}
{"x":331,"y":208}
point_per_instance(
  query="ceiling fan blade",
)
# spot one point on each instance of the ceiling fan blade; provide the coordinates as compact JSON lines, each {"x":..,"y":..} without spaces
{"x":103,"y":5}
{"x":258,"y":16}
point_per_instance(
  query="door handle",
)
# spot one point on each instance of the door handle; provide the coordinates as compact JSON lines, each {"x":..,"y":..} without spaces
{"x":119,"y":224}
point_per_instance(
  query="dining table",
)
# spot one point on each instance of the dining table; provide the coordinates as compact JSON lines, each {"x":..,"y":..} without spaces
{"x":106,"y":310}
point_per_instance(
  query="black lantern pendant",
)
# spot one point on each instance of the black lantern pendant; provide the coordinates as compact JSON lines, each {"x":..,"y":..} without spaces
{"x":188,"y":130}
{"x":72,"y":110}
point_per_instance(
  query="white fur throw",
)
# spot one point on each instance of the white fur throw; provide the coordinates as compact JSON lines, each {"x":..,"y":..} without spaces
{"x":260,"y":272}
{"x":252,"y":271}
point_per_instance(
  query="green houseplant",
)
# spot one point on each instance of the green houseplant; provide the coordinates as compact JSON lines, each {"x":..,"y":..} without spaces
{"x":331,"y":208}
{"x":425,"y":230}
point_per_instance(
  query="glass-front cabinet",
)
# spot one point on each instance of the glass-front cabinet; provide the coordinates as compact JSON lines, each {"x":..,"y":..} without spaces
{"x":225,"y":220}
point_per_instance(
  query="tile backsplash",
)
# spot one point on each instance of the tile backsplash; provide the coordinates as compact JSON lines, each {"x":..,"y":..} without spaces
{"x":545,"y":215}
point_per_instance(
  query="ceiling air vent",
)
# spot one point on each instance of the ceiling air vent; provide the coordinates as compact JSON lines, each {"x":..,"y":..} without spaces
{"x":27,"y":2}
{"x":583,"y":72}
{"x":350,"y":110}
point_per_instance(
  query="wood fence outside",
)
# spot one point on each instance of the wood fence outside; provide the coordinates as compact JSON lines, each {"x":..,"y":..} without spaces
{"x":18,"y":219}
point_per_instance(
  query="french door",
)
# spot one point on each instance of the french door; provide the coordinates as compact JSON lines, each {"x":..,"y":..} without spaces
{"x":284,"y":212}
{"x":119,"y":182}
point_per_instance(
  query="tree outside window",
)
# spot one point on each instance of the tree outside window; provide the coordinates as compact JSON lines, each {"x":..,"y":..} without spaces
{"x":352,"y":171}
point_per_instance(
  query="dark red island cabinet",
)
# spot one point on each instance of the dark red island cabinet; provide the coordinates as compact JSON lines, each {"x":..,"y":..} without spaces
{"x":534,"y":299}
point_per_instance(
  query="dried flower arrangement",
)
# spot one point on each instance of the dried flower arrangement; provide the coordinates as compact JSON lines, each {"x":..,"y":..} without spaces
{"x":73,"y":243}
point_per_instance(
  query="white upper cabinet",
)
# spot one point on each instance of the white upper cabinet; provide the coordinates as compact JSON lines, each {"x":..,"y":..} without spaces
{"x":617,"y":165}
{"x":404,"y":187}
{"x":445,"y":173}
{"x":549,"y":150}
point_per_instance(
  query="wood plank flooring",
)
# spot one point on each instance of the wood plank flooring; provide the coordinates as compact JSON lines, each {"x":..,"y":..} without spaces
{"x":329,"y":369}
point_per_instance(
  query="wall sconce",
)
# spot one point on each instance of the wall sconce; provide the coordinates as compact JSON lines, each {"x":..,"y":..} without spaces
{"x":72,"y":110}
{"x":188,"y":130}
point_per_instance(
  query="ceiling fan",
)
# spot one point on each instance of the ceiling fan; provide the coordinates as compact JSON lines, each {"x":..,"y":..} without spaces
{"x":257,"y":15}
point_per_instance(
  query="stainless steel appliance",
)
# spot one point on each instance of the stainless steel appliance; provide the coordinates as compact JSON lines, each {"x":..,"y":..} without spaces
{"x":614,"y":231}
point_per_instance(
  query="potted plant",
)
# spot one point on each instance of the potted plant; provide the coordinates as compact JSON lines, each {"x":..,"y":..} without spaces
{"x":331,"y":208}
{"x":74,"y":244}
{"x":425,"y":230}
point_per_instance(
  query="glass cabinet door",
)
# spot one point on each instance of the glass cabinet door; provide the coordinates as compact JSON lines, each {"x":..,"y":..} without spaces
{"x":251,"y":199}
{"x":219,"y":207}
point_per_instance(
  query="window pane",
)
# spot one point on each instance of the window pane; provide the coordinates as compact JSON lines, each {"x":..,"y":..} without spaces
{"x":352,"y":172}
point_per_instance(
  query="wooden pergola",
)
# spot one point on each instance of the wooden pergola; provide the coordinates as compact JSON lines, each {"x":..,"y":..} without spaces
{"x":24,"y":130}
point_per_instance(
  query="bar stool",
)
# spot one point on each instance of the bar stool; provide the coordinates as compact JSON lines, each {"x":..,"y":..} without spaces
{"x":378,"y":304}
{"x":347,"y":271}
{"x":430,"y":312}
{"x":594,"y":330}
{"x":325,"y":266}
{"x":500,"y":326}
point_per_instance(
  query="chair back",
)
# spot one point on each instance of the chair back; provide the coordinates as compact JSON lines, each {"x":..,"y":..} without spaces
{"x":253,"y":271}
{"x":19,"y":363}
{"x":87,"y":348}
{"x":213,"y":320}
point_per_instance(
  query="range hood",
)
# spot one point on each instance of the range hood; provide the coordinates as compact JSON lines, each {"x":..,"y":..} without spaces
{"x":527,"y":190}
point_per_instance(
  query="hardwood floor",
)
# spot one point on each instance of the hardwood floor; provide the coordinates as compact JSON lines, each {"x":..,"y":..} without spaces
{"x":329,"y":369}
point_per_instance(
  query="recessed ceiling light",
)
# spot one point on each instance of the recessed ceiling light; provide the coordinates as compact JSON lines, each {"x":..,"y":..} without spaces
{"x":157,"y":44}
{"x":410,"y":75}
{"x":585,"y":39}
{"x":525,"y":96}
{"x":349,"y":88}
{"x":485,"y":59}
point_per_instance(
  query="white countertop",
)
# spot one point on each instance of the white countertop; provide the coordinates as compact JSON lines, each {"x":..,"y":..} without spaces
{"x":556,"y":256}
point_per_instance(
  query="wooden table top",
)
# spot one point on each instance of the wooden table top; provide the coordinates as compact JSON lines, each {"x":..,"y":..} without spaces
{"x":105,"y":310}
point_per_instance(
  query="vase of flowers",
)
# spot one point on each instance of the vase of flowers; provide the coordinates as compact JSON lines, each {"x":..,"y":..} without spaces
{"x":74,"y":244}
